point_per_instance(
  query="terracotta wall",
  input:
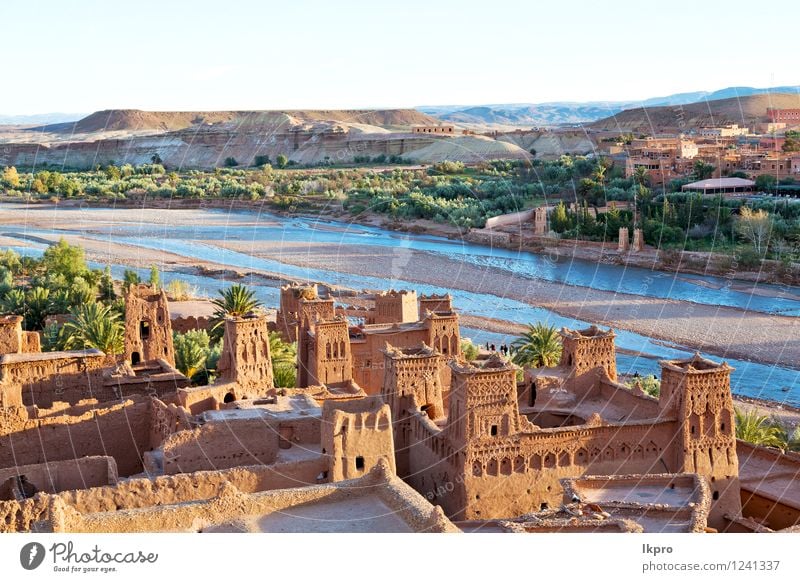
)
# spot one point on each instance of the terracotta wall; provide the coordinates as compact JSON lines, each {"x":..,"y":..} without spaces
{"x":121,"y":431}
{"x":57,"y":476}
{"x":221,"y":445}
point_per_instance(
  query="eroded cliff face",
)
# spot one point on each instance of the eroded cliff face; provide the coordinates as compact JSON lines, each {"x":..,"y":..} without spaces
{"x":206,"y":140}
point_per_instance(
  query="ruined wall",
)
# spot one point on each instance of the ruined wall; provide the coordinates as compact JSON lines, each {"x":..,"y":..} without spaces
{"x":506,"y":466}
{"x":356,"y":434}
{"x":288,"y":316}
{"x":636,"y":405}
{"x":121,"y":431}
{"x":245,"y":358}
{"x":13,"y":340}
{"x":435,"y":468}
{"x":164,"y":490}
{"x":309,"y":311}
{"x":148,"y":330}
{"x":221,"y":445}
{"x":190,"y":323}
{"x":56,"y":476}
{"x":45,"y":378}
{"x":518,"y":475}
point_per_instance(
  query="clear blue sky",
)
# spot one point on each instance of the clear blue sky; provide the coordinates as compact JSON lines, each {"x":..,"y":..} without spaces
{"x":85,"y":55}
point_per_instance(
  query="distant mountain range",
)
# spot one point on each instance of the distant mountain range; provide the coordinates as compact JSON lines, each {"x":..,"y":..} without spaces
{"x":566,"y":112}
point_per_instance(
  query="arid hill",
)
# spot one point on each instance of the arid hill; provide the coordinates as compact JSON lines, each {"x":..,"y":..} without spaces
{"x":136,"y":120}
{"x":652,"y":120}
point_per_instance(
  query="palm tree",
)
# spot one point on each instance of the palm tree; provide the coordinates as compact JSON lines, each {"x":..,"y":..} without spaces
{"x":640,"y":175}
{"x":538,"y":347}
{"x":237,"y":300}
{"x":13,"y":303}
{"x":94,"y":325}
{"x":757,"y":429}
{"x":284,"y":357}
{"x":191,"y":352}
{"x":599,"y":173}
{"x":280,"y":351}
{"x":38,"y":308}
{"x":790,"y":441}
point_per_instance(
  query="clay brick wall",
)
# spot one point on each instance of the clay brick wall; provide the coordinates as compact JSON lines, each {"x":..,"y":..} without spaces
{"x":356,"y":434}
{"x":245,"y":358}
{"x":57,"y":476}
{"x":190,"y":323}
{"x":148,"y":331}
{"x":56,"y":376}
{"x":11,"y":334}
{"x":221,"y":445}
{"x":169,"y":489}
{"x":396,"y":307}
{"x":121,"y":431}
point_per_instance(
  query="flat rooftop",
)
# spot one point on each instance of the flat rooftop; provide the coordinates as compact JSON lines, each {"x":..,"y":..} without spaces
{"x":368,"y":514}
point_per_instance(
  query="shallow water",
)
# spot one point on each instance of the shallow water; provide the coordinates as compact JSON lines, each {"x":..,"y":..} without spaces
{"x":750,"y":379}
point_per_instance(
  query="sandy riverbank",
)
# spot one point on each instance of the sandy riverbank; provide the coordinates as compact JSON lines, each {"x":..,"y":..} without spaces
{"x":724,"y":331}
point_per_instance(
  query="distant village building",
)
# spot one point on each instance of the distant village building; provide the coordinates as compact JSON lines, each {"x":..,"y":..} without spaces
{"x":446,"y":129}
{"x":721,"y":186}
{"x":732,"y":130}
{"x":787,"y":116}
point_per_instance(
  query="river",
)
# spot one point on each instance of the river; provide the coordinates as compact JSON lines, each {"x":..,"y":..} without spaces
{"x":640,"y":355}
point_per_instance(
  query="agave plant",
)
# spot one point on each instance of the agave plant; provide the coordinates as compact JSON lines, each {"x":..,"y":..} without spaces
{"x":538,"y":347}
{"x":758,"y":429}
{"x":94,"y":325}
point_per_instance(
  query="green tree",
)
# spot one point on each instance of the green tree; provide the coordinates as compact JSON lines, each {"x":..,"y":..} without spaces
{"x":38,"y":308}
{"x":64,"y":259}
{"x":230,"y":162}
{"x":757,"y":429}
{"x":237,"y":300}
{"x":107,"y":292}
{"x":129,"y":279}
{"x":790,"y":441}
{"x":538,"y":347}
{"x":766,"y":182}
{"x":282,"y":161}
{"x":469,"y":350}
{"x":755,"y":226}
{"x":650,"y":385}
{"x":155,"y":277}
{"x":94,"y":325}
{"x":791,"y":144}
{"x":284,"y":358}
{"x":559,"y":219}
{"x":640,"y":176}
{"x":191,"y":353}
{"x":13,"y":303}
{"x":11,"y":177}
{"x":702,"y":170}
